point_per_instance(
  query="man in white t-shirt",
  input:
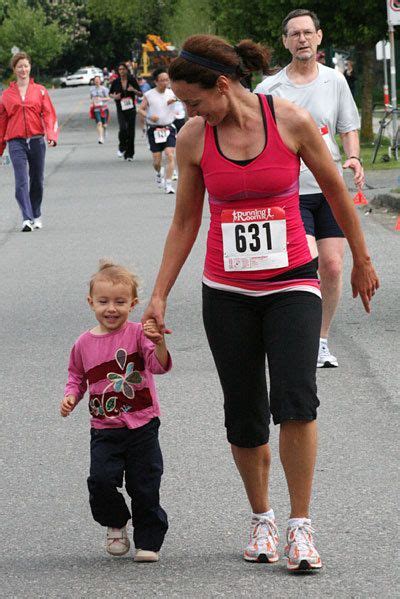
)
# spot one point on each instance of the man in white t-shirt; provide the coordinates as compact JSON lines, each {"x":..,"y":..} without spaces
{"x":158,"y":110}
{"x":325,"y":93}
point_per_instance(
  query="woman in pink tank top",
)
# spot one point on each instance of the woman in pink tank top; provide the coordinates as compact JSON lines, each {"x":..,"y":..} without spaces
{"x":260,"y":288}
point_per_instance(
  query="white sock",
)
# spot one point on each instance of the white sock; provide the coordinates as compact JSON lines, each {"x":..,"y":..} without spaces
{"x":270,"y":514}
{"x":293,"y":522}
{"x":168,"y":181}
{"x":323,"y":341}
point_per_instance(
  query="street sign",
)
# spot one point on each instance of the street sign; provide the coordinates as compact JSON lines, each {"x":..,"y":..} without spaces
{"x":393,"y":11}
{"x":379,"y":51}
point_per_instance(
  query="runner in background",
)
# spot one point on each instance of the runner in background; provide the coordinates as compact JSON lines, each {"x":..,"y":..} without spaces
{"x":98,"y":108}
{"x":145,"y":87}
{"x":180,"y":116}
{"x":27,"y":116}
{"x":326,"y":95}
{"x":350,"y":76}
{"x":180,"y":120}
{"x":158,"y":110}
{"x":124,"y":90}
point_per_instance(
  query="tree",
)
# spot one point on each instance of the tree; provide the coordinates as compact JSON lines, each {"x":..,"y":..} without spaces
{"x":27,"y":29}
{"x":72,"y":18}
{"x":189,"y":18}
{"x":135,"y":16}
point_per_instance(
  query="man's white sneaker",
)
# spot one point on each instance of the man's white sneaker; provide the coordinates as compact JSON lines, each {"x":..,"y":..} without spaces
{"x":120,"y":154}
{"x":263,"y":543}
{"x":169,"y":188}
{"x":174,"y":176}
{"x":159,"y":181}
{"x":160,"y":178}
{"x":117,"y":542}
{"x":300,"y":549}
{"x":325,"y":358}
{"x":144,"y":555}
{"x":37,"y":223}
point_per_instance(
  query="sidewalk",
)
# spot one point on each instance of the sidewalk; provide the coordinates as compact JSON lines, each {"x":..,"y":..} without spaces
{"x":379,"y":186}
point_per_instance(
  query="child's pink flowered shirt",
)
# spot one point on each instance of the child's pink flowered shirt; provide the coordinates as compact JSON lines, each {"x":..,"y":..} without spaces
{"x":119,"y":368}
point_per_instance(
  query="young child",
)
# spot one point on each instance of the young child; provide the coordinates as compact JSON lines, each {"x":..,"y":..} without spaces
{"x":117,"y":360}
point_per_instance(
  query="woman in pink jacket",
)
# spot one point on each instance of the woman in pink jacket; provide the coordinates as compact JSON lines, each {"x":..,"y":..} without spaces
{"x":26,"y":117}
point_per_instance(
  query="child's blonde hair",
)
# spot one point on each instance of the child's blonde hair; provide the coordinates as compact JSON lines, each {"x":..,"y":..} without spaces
{"x":115,"y":273}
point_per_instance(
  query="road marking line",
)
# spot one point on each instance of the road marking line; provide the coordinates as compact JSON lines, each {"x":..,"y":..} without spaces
{"x":73,"y":113}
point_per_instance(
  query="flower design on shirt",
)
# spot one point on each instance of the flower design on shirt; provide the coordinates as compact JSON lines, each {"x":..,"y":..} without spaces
{"x":125,"y":382}
{"x":110,"y":407}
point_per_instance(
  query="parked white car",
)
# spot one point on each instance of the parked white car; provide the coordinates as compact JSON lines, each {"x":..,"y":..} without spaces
{"x":83,"y":76}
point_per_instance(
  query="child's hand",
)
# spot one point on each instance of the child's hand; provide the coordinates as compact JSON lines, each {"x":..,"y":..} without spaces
{"x":151,"y":331}
{"x":67,"y":405}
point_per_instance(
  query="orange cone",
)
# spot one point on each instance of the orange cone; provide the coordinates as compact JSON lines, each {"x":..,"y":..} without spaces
{"x":397,"y":227}
{"x":360,"y":199}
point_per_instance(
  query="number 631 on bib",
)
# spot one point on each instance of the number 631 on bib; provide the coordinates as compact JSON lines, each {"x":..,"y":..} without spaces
{"x":254,"y":239}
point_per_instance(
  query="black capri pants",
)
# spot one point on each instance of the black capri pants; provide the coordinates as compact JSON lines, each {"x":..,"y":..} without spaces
{"x":241,"y":331}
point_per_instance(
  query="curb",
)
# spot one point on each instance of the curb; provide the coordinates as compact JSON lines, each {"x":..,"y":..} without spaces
{"x":389,"y":200}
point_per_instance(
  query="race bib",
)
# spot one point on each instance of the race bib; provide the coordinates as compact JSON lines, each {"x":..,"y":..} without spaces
{"x":254,"y":239}
{"x":98,"y":102}
{"x":160,"y":135}
{"x":325,"y":136}
{"x":126,"y":103}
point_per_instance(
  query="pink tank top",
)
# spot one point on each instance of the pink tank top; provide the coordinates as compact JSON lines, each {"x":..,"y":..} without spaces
{"x":256,"y":241}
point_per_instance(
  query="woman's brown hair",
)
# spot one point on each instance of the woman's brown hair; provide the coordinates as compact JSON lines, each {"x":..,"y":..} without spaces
{"x":19,"y":56}
{"x":241,"y":60}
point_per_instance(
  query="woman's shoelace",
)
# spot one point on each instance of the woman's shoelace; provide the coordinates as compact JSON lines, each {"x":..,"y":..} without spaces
{"x":302,"y":534}
{"x":266,"y":530}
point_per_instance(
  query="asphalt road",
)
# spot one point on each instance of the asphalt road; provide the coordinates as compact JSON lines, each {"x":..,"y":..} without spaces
{"x":97,"y":205}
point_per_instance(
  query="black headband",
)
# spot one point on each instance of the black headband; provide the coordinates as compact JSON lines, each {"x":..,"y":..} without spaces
{"x":208,"y":64}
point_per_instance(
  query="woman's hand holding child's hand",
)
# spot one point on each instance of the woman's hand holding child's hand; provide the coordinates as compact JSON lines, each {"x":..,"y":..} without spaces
{"x":151,"y":331}
{"x":67,"y":405}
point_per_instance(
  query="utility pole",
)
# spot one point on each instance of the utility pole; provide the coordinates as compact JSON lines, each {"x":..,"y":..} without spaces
{"x":393,"y":81}
{"x":393,"y":12}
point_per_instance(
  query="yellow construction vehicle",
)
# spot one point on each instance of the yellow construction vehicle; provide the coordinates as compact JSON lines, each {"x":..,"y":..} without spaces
{"x":155,"y":54}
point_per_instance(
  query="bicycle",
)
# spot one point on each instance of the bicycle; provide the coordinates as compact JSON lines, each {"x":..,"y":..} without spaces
{"x":394,"y":147}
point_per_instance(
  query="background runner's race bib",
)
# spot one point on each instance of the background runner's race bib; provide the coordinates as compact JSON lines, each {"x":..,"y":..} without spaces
{"x":126,"y":103}
{"x":98,"y":102}
{"x":325,"y":136}
{"x":254,"y":239}
{"x":160,"y":135}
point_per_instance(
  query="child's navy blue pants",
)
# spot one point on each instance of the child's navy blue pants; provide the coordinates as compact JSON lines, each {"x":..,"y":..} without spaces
{"x":137,"y":454}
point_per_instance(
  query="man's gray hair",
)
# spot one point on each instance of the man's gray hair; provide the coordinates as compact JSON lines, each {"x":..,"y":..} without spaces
{"x":300,"y":12}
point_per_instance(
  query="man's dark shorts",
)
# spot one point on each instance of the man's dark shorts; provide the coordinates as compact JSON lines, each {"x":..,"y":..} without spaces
{"x":170,"y":142}
{"x":318,"y":217}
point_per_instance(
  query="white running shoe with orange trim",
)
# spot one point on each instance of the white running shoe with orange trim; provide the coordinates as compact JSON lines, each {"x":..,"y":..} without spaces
{"x":300,"y":549}
{"x":263,"y":542}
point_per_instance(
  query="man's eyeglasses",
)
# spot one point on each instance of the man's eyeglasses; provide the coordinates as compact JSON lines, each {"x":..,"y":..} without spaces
{"x":295,"y":35}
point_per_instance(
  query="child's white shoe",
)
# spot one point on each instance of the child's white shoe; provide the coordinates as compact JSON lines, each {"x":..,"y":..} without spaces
{"x":143,"y":555}
{"x":117,"y":542}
